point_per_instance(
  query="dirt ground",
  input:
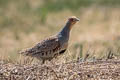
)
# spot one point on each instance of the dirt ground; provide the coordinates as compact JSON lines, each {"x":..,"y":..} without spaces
{"x":98,"y":70}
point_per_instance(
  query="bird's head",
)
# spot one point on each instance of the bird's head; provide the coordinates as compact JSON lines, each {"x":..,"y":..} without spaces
{"x":72,"y":20}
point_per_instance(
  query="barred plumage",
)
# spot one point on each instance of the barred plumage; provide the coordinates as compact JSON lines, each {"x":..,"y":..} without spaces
{"x":52,"y":46}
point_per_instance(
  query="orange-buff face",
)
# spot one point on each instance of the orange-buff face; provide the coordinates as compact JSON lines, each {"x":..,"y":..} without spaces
{"x":73,"y":20}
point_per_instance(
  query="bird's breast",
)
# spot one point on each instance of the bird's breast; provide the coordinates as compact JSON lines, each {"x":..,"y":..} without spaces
{"x":64,"y":46}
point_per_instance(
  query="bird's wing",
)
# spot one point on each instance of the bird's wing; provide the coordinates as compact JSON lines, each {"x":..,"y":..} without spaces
{"x":45,"y":47}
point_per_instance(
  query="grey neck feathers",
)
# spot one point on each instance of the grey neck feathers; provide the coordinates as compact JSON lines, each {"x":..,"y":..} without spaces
{"x":64,"y":33}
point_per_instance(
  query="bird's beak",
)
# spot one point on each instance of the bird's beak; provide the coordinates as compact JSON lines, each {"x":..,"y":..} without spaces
{"x":77,"y":19}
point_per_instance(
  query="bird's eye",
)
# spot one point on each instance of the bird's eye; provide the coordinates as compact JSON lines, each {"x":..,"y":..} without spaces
{"x":71,"y":19}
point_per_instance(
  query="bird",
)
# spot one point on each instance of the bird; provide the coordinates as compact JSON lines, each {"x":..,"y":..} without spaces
{"x":52,"y":46}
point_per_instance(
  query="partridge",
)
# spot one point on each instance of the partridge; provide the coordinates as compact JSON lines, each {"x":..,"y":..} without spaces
{"x":53,"y":46}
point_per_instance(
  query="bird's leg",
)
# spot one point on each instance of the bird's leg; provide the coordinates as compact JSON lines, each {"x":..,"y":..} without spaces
{"x":50,"y":61}
{"x":43,"y":61}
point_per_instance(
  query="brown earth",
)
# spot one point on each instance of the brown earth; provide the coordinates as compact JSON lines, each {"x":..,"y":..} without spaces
{"x":98,"y":70}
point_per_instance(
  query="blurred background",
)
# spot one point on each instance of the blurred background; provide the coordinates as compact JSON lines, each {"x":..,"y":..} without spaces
{"x":23,"y":23}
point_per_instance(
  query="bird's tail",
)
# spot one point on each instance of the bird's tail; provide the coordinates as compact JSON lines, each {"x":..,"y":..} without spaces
{"x":27,"y":51}
{"x":24,"y":52}
{"x":21,"y":52}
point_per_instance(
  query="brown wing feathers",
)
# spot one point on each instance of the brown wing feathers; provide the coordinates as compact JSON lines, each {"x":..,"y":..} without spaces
{"x":45,"y":48}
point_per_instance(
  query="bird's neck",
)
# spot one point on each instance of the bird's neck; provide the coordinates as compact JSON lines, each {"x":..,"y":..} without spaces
{"x":66,"y":30}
